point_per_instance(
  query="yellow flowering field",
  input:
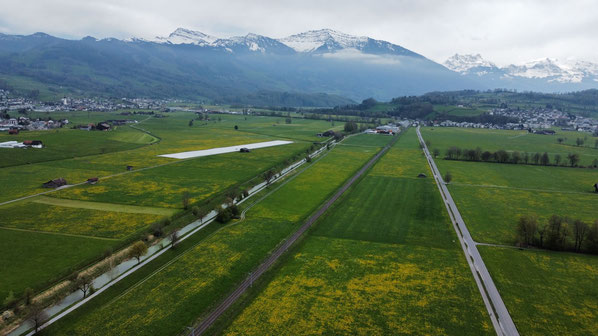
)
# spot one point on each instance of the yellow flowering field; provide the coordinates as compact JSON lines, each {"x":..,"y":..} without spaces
{"x":351,"y":287}
{"x":77,"y":221}
{"x":547,"y":293}
{"x":186,"y":288}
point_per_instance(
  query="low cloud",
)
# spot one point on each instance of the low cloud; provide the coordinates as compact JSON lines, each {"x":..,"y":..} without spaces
{"x":506,"y":31}
{"x":356,"y":55}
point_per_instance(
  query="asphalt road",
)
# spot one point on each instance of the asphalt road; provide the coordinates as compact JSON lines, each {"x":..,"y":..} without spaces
{"x":501,"y":319}
{"x":261,"y":269}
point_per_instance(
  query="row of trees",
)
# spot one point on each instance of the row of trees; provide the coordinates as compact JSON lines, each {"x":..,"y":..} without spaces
{"x":502,"y":156}
{"x":558,"y":233}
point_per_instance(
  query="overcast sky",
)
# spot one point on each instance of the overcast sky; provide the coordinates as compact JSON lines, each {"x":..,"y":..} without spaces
{"x":503,"y":31}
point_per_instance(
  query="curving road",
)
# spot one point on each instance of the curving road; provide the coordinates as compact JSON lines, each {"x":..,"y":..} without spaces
{"x":501,"y":319}
{"x":261,"y":269}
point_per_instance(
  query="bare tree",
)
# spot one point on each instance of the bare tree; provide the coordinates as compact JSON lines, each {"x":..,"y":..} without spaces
{"x":580,"y":231}
{"x":557,"y":159}
{"x":138,"y":250}
{"x":526,"y":230}
{"x":269,"y":175}
{"x":83,"y":282}
{"x":573,"y":159}
{"x":545,"y":159}
{"x":36,"y":315}
{"x":174,"y":238}
{"x":542,"y":233}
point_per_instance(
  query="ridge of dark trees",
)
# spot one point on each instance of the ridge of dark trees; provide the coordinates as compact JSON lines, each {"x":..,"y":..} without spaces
{"x":558,"y":233}
{"x":515,"y":157}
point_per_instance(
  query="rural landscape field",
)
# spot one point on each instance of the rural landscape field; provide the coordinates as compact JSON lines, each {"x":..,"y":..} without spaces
{"x":298,"y":168}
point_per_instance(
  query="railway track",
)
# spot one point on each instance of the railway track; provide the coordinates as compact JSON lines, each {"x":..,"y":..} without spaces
{"x":268,"y":262}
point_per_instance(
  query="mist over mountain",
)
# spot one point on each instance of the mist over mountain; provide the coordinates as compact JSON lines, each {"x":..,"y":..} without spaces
{"x":314,"y":68}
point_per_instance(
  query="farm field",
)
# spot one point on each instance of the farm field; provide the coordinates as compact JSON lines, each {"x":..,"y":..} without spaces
{"x":35,"y":216}
{"x":492,"y":140}
{"x":20,"y":179}
{"x":175,"y":296}
{"x":201,"y":177}
{"x":69,"y":143}
{"x":31,"y":259}
{"x":491,"y":197}
{"x":120,"y":207}
{"x":375,"y":140}
{"x":547,"y":293}
{"x":383,"y":260}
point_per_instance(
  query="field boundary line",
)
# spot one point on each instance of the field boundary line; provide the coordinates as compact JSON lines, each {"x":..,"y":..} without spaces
{"x":490,"y":186}
{"x":499,"y":314}
{"x":59,"y":234}
{"x":103,"y":206}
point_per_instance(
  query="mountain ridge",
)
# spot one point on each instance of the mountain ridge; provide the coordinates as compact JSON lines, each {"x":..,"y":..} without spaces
{"x":552,"y":70}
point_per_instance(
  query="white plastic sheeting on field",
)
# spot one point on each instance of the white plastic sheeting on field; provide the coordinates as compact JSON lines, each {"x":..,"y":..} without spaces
{"x":223,"y":150}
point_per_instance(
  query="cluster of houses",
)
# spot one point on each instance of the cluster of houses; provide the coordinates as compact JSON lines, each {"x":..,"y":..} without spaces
{"x":537,"y":120}
{"x":14,"y":125}
{"x":10,"y":103}
{"x":101,"y":126}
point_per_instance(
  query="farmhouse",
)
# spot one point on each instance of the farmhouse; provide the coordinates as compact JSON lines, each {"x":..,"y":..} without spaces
{"x":103,"y":126}
{"x":59,"y":182}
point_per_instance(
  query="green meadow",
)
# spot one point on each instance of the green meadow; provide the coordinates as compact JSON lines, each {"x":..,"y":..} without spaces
{"x":123,"y":204}
{"x":201,"y":177}
{"x":383,"y":261}
{"x":492,"y":140}
{"x":69,"y":143}
{"x":176,"y":295}
{"x":546,"y":292}
{"x":32,"y":259}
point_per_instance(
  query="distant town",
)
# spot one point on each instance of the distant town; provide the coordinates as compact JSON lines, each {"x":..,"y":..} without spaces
{"x":538,"y":120}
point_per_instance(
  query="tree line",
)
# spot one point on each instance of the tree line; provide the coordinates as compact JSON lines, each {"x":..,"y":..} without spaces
{"x":558,"y":233}
{"x":515,"y":157}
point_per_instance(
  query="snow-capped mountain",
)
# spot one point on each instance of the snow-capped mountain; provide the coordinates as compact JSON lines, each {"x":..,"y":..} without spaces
{"x":550,"y":70}
{"x":186,"y":36}
{"x":328,"y":40}
{"x":249,"y":42}
{"x":252,"y":42}
{"x":314,"y":42}
{"x":469,"y":64}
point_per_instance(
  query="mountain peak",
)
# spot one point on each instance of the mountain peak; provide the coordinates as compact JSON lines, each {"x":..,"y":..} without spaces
{"x":329,"y":39}
{"x":464,"y":63}
{"x":549,"y":69}
{"x":186,"y":36}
